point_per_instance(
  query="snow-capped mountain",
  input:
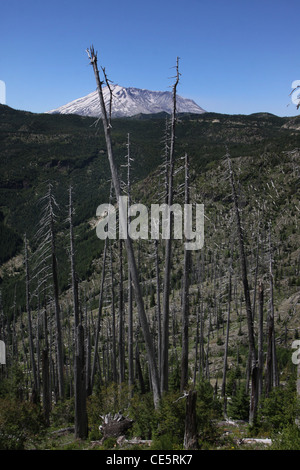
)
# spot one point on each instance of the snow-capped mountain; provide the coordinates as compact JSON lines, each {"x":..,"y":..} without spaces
{"x":128,"y":102}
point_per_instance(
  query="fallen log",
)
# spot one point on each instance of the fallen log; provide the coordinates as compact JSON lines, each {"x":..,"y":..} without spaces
{"x":64,"y":430}
{"x":249,"y":440}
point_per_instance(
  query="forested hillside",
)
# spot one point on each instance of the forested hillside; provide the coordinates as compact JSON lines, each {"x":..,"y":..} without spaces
{"x":67,"y":298}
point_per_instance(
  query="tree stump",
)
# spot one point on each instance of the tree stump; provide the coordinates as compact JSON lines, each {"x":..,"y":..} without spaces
{"x":115,"y":426}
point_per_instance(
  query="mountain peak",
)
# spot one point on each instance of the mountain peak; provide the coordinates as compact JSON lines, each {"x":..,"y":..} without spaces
{"x":128,"y":102}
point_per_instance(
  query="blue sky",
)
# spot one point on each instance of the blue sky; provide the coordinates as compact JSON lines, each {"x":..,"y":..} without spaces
{"x":235,"y":56}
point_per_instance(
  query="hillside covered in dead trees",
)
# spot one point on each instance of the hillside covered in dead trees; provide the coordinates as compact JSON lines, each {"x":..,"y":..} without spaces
{"x":143,"y":344}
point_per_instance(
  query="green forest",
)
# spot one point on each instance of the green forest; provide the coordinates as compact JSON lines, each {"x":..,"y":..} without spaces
{"x":142,"y":344}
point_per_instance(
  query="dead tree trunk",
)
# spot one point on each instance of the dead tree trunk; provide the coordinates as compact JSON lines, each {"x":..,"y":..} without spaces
{"x":81,"y":420}
{"x":185,"y":296}
{"x":121,"y":317}
{"x":128,"y":243}
{"x":114,"y":347}
{"x":190,"y":433}
{"x":168,"y":252}
{"x":96,"y":357}
{"x":227,"y":342}
{"x":271,"y":366}
{"x":30,"y":334}
{"x":81,"y":429}
{"x":59,"y":341}
{"x":158,"y":308}
{"x":252,"y":351}
{"x":130,"y":297}
{"x":46,"y":386}
{"x":260,"y":338}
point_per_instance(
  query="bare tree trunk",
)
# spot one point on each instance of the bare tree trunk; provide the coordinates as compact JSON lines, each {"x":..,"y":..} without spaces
{"x":114,"y":349}
{"x":81,"y":429}
{"x":255,"y":278}
{"x":197,"y":342}
{"x":271,"y":366}
{"x":81,"y":420}
{"x":87,"y":353}
{"x":128,"y":244}
{"x":139,"y":369}
{"x":185,"y":297}
{"x":30,"y":334}
{"x":158,"y":309}
{"x":121,"y":318}
{"x":252,"y":351}
{"x":227,"y":342}
{"x":168,"y":253}
{"x":130,"y":296}
{"x":190,"y":433}
{"x":59,"y":341}
{"x":207,"y":348}
{"x":46,"y":385}
{"x":260,"y":337}
{"x":96,"y":356}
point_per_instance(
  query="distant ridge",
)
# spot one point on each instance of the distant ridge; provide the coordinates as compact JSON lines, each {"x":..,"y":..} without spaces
{"x":128,"y":102}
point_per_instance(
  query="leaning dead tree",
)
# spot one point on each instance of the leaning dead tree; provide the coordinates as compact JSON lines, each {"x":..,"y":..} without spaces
{"x":128,"y":243}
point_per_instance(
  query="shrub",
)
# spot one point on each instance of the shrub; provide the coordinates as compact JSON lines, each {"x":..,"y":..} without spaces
{"x":238,"y":406}
{"x":143,"y":414}
{"x":170,"y":421}
{"x":63,"y":413}
{"x":209,"y":409}
{"x":19,"y":422}
{"x":288,"y":439}
{"x":279,"y":409}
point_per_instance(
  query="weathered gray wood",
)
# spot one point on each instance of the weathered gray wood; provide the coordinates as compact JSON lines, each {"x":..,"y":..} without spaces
{"x":190,"y":433}
{"x":168,"y":252}
{"x":115,"y":426}
{"x":46,"y":386}
{"x":252,"y":350}
{"x":128,"y":243}
{"x":185,"y":294}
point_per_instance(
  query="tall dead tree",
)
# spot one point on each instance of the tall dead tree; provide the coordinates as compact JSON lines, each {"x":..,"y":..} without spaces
{"x":168,"y":250}
{"x":227,"y":339}
{"x":243,"y":261}
{"x":185,"y":293}
{"x":100,"y":305}
{"x":30,"y":333}
{"x":158,"y":307}
{"x":81,"y":426}
{"x":128,"y":243}
{"x":260,"y":337}
{"x":271,"y":363}
{"x":114,"y":347}
{"x":121,"y":317}
{"x":47,"y":267}
{"x":130,"y":292}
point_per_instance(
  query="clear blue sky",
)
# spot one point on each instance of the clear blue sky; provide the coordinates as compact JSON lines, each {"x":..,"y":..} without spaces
{"x":236,"y":56}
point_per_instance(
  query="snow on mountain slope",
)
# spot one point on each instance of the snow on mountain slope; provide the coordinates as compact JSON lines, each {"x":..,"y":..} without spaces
{"x":128,"y":102}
